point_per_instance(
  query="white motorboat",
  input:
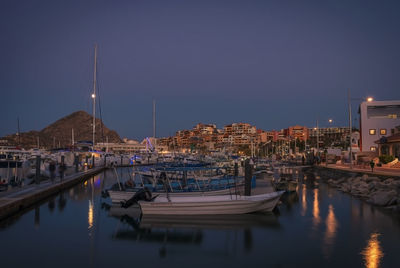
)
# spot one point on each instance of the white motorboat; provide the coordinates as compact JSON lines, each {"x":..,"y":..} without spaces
{"x":122,"y":196}
{"x":210,"y":205}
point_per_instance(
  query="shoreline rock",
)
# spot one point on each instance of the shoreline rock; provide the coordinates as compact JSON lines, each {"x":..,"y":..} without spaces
{"x":380,"y":192}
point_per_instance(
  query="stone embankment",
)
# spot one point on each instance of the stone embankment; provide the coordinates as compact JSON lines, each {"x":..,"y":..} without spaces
{"x":383,"y":192}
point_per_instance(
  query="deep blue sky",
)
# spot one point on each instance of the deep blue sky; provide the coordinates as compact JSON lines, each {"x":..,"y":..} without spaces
{"x":270,"y":63}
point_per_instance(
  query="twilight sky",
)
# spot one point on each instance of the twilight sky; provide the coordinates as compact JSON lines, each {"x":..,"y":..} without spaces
{"x":269,"y":63}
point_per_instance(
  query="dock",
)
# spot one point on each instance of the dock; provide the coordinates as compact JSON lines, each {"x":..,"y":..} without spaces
{"x":18,"y":199}
{"x":387,"y":172}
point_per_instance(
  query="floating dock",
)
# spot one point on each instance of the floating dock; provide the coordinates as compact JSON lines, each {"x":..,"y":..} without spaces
{"x":17,"y":199}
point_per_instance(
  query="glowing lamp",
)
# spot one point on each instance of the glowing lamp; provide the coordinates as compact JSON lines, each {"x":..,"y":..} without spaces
{"x":93,"y":96}
{"x":369,"y":99}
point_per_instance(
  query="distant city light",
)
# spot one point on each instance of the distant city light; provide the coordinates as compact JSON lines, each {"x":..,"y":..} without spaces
{"x":369,"y":99}
{"x":93,"y":96}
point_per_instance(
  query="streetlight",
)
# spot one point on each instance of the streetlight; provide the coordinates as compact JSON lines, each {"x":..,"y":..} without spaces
{"x":330,"y":121}
{"x":369,"y":99}
{"x":350,"y":129}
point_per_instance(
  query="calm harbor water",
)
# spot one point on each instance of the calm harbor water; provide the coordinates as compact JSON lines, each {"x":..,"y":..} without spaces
{"x":315,"y":227}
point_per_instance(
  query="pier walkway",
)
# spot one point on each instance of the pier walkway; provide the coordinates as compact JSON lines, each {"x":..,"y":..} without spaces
{"x":394,"y":172}
{"x":18,"y":199}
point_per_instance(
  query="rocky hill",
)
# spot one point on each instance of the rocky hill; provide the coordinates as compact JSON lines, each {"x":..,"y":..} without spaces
{"x":60,"y":133}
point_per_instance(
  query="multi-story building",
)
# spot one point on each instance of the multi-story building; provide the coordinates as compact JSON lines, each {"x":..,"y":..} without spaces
{"x":262,"y":136}
{"x":240,"y":128}
{"x":205,"y":129}
{"x":378,"y":119}
{"x":336,"y":136}
{"x":128,"y":147}
{"x":297,"y":132}
{"x":272,"y":135}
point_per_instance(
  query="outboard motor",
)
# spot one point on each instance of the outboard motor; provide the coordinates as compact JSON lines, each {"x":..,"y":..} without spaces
{"x":105,"y":194}
{"x":142,"y":194}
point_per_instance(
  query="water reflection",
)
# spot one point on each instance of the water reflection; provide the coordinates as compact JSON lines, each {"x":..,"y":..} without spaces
{"x":62,"y":201}
{"x":91,"y":203}
{"x":373,"y":253}
{"x":52,"y":204}
{"x":216,"y":222}
{"x":304,"y":200}
{"x":37,"y":217}
{"x":330,"y":234}
{"x":316,"y":217}
{"x":188,"y":230}
{"x":330,"y":229}
{"x":164,"y":236}
{"x":90,"y":215}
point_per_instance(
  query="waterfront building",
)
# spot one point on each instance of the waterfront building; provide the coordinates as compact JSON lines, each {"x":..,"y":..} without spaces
{"x":240,"y":128}
{"x":130,"y":146}
{"x":330,"y":136}
{"x":272,"y":135}
{"x":297,"y":132}
{"x":204,"y":129}
{"x":262,"y":136}
{"x":390,"y":145}
{"x":378,"y":119}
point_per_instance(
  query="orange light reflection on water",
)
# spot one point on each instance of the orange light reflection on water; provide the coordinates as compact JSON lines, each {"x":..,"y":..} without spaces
{"x":316,"y":217}
{"x":90,"y":215}
{"x":331,"y":225}
{"x":373,"y":252}
{"x":304,"y":200}
{"x":331,"y":230}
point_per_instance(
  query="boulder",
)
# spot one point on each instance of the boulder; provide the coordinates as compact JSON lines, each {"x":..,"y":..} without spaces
{"x":371,"y":179}
{"x":383,"y":198}
{"x":371,"y":186}
{"x":361,"y":189}
{"x":383,"y":186}
{"x":388,"y":181}
{"x":345,"y":187}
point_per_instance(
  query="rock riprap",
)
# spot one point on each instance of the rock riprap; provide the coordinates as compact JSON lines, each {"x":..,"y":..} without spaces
{"x":374,"y":190}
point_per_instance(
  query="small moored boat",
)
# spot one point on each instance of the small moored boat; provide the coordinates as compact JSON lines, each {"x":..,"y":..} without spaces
{"x":210,"y":205}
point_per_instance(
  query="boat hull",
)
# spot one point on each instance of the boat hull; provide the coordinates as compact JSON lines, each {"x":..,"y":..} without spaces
{"x":211,"y":205}
{"x":123,"y":196}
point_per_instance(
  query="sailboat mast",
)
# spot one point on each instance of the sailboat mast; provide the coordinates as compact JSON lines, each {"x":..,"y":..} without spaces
{"x":94,"y":93}
{"x":72,"y":138}
{"x":154,"y":123}
{"x":18,"y":132}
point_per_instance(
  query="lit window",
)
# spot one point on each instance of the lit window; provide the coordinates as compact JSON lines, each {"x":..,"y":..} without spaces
{"x":372,"y":131}
{"x":372,"y":148}
{"x":382,"y":131}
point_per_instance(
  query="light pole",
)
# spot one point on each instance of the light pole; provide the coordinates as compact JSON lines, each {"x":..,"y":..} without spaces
{"x":317,"y":138}
{"x":369,"y":99}
{"x":350,"y":131}
{"x":331,"y":140}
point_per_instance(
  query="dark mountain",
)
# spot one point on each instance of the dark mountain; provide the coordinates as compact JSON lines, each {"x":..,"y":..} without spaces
{"x":60,"y":133}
